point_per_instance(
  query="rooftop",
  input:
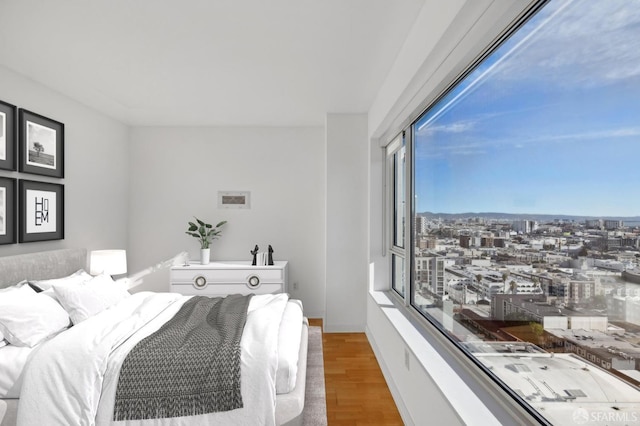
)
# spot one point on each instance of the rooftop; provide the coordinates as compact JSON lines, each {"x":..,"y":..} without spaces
{"x":563,"y":387}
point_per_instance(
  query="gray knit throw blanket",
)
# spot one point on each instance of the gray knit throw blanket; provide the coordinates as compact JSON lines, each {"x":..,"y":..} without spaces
{"x":190,"y":366}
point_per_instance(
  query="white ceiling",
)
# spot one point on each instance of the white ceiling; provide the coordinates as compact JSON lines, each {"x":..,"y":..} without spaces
{"x":208,"y":62}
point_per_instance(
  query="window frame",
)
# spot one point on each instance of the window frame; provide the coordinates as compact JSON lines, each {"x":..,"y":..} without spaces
{"x":429,"y":326}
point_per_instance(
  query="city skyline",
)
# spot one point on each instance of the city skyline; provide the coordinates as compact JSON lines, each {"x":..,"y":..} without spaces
{"x":530,"y":216}
{"x":541,"y":131}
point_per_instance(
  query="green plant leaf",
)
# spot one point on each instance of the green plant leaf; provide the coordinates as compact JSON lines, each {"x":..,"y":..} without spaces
{"x":204,"y":232}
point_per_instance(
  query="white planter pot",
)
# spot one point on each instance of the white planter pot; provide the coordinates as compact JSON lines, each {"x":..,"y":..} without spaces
{"x":204,"y":256}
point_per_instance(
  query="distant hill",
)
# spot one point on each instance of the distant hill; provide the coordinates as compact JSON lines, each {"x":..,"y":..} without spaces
{"x":518,"y":216}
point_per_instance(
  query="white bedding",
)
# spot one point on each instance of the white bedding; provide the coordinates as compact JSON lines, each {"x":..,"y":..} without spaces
{"x":72,"y":378}
{"x":288,"y":346}
{"x":12,"y":361}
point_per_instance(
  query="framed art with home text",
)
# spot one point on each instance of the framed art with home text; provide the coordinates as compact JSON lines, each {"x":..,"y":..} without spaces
{"x":41,"y":211}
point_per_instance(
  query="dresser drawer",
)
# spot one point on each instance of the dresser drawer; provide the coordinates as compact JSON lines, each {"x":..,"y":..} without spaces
{"x":223,"y":278}
{"x":226,"y":275}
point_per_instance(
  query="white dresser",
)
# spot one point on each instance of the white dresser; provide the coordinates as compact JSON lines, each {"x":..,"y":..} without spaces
{"x":223,"y":278}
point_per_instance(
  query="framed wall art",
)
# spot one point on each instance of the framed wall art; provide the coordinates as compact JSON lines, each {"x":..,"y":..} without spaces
{"x":41,"y":211}
{"x":7,"y":136}
{"x":40,"y":145}
{"x":234,"y":199}
{"x":7,"y":210}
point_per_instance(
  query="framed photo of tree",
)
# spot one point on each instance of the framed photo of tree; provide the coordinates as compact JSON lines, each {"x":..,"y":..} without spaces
{"x":7,"y":210}
{"x":41,"y":144}
{"x":7,"y":136}
{"x":41,"y":211}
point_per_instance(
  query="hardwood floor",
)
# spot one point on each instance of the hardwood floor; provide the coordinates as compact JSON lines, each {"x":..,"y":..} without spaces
{"x":357,"y":393}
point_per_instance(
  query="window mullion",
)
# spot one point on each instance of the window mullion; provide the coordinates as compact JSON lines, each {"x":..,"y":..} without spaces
{"x":408,"y":222}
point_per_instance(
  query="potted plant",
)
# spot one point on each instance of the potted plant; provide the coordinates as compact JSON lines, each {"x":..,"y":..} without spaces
{"x":205,"y":233}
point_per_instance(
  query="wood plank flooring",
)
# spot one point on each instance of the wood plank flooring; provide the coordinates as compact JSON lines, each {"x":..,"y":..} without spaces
{"x":357,"y":393}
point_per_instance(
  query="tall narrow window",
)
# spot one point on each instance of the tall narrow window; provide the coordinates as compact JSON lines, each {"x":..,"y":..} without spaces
{"x":398,"y":273}
{"x":526,"y":242}
{"x":399,"y":195}
{"x":396,"y":152}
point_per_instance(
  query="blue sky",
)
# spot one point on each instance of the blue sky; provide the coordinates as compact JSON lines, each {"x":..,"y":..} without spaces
{"x":550,"y":124}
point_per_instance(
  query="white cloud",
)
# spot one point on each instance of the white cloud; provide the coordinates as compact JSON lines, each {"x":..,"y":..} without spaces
{"x":469,"y":152}
{"x":451,"y":148}
{"x":456,"y":127}
{"x":598,"y":134}
{"x":474,"y":144}
{"x":586,"y":42}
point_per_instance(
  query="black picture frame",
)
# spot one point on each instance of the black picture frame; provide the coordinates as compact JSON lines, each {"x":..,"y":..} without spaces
{"x":41,"y":211}
{"x":7,"y":210}
{"x":41,"y":145}
{"x":7,"y":136}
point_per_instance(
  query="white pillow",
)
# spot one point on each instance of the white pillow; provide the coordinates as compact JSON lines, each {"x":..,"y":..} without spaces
{"x":18,"y":290}
{"x":78,"y":277}
{"x":82,"y":301}
{"x":30,"y":319}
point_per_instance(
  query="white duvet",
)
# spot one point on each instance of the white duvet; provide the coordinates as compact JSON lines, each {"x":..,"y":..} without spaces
{"x":71,"y":379}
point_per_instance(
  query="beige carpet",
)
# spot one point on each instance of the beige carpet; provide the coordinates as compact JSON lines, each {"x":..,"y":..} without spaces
{"x":315,"y":404}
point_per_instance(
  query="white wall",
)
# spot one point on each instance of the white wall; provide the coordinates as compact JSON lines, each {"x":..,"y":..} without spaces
{"x":96,"y":168}
{"x":347,"y":222}
{"x":176,"y":173}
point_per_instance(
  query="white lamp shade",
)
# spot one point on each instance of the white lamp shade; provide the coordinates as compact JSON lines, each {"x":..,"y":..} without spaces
{"x":110,"y":262}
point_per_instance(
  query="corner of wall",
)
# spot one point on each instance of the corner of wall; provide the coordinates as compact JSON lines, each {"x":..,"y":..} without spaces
{"x":347,"y":224}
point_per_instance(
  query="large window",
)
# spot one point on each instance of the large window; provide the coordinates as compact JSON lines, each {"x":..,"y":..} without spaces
{"x":526,"y":192}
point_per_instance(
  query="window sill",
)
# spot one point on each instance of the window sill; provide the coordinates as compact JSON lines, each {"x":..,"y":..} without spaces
{"x":465,"y":390}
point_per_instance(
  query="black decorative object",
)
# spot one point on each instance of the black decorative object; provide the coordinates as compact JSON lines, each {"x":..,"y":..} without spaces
{"x":270,"y":261}
{"x":7,"y":136}
{"x":41,"y":211}
{"x":254,"y":252}
{"x":7,"y":210}
{"x":41,"y":147}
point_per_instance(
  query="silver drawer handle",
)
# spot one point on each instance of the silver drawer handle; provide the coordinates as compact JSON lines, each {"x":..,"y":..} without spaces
{"x":253,"y":281}
{"x":200,"y":282}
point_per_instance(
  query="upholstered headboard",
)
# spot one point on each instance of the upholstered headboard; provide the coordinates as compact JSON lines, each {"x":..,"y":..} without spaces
{"x":41,"y":265}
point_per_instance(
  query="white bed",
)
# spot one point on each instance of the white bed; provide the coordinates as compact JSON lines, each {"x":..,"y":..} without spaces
{"x":62,"y":400}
